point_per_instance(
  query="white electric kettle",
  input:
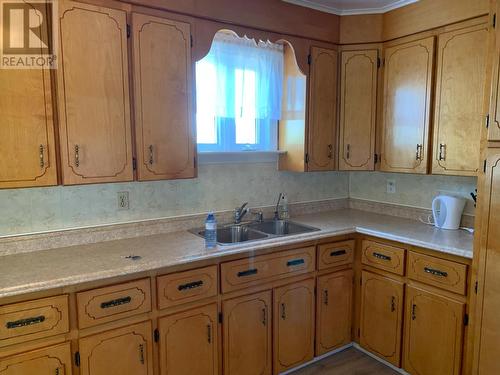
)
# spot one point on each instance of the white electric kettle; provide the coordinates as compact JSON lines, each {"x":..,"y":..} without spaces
{"x":447,"y":211}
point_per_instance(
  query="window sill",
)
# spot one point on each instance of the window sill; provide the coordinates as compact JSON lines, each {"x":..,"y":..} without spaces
{"x":234,"y":157}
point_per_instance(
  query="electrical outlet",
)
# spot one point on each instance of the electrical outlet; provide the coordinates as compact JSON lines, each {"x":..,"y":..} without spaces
{"x":391,"y":186}
{"x":123,"y":202}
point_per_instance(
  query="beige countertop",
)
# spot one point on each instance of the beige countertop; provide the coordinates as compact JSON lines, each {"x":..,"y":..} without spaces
{"x":47,"y":269}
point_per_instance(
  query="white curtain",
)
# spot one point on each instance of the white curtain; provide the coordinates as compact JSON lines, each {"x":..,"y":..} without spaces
{"x":240,"y":78}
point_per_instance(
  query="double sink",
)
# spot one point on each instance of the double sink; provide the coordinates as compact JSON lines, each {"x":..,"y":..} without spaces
{"x":253,"y":231}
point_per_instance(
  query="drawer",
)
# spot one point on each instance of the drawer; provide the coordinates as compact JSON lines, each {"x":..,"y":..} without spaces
{"x":335,"y":254}
{"x":248,"y":272}
{"x":441,"y":273}
{"x":114,"y":302}
{"x":184,"y":287}
{"x":383,"y":256}
{"x":20,"y":322}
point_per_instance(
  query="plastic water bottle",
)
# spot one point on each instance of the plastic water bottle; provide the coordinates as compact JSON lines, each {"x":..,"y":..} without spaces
{"x":210,"y":231}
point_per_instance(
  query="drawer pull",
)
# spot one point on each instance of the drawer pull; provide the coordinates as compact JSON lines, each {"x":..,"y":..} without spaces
{"x":249,"y":272}
{"x":209,"y":333}
{"x":264,"y":316}
{"x":295,"y":262}
{"x":283,"y":311}
{"x":25,"y":322}
{"x":338,"y":253}
{"x":393,"y":304}
{"x":116,"y":302}
{"x":435,"y":272}
{"x":325,"y":297}
{"x":382,"y":256}
{"x":192,"y":285}
{"x":141,"y":353}
{"x":414,"y":312}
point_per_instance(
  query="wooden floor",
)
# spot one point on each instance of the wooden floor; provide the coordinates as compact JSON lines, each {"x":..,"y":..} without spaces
{"x":347,"y":362}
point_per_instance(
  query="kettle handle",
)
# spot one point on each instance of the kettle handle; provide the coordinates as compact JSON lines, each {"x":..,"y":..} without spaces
{"x":434,"y":211}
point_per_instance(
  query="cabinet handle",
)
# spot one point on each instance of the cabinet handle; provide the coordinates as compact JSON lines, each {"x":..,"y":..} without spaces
{"x":283,"y":311}
{"x":382,"y":256}
{"x":442,"y":151}
{"x":435,"y":272}
{"x":25,"y":322}
{"x":209,"y":333}
{"x":57,"y":371}
{"x":250,"y":272}
{"x":338,"y":253}
{"x":141,"y":353}
{"x":348,"y":153}
{"x":264,"y":316}
{"x":151,"y":159}
{"x":188,"y":286}
{"x":77,"y":156}
{"x":419,"y":152}
{"x":294,"y":262}
{"x":330,"y":151}
{"x":414,"y":312}
{"x":393,"y":304}
{"x":116,"y":302}
{"x":325,"y":297}
{"x":41,"y":156}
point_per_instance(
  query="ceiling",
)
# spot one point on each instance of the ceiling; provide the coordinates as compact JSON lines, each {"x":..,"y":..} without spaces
{"x":347,"y":7}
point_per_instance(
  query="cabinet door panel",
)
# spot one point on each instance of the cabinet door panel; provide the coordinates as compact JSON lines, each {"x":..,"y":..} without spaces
{"x":293,"y":325}
{"x":94,"y":108}
{"x":189,"y":341}
{"x":27,"y":148}
{"x":334,"y":302}
{"x":124,"y":351}
{"x":248,"y":335}
{"x":494,"y":112}
{"x":408,"y":72}
{"x":381,"y":316}
{"x":163,"y":78}
{"x":358,"y":109}
{"x":458,"y":114}
{"x":322,"y":109}
{"x":433,"y":333}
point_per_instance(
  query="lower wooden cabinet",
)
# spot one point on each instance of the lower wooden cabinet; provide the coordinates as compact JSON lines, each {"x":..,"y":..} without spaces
{"x":433,"y":333}
{"x":334,"y":311}
{"x":247,"y":338}
{"x":124,"y":351}
{"x":293,"y":325}
{"x":381,"y":316}
{"x":189,"y":342}
{"x":47,"y":361}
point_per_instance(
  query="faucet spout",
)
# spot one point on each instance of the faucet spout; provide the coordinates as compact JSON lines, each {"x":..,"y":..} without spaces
{"x":240,"y":212}
{"x":276,"y":211}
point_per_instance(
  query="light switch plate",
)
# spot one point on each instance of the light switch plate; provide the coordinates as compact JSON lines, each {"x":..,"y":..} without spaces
{"x":391,"y":186}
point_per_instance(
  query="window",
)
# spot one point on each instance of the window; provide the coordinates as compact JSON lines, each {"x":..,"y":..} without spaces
{"x":239,"y":88}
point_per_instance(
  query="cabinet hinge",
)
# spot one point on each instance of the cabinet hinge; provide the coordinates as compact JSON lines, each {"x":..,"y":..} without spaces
{"x":156,"y":335}
{"x":484,"y":167}
{"x":487,"y":121}
{"x":220,"y":317}
{"x":309,"y":59}
{"x":476,"y":286}
{"x":466,"y":319}
{"x":360,"y":281}
{"x":379,"y":62}
{"x":307,"y":158}
{"x":359,"y":333}
{"x":375,"y":158}
{"x":77,"y":359}
{"x":134,"y":164}
{"x":495,"y":20}
{"x":192,"y":40}
{"x":128,"y":31}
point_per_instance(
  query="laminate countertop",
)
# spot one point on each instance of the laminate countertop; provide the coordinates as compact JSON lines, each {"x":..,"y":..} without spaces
{"x":54,"y":268}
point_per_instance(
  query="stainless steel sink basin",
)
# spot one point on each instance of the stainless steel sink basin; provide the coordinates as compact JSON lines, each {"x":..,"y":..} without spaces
{"x":236,"y":234}
{"x":281,"y":227}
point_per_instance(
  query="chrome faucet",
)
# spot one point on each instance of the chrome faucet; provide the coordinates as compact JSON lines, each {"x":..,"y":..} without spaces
{"x":276,"y":211}
{"x":240,"y":212}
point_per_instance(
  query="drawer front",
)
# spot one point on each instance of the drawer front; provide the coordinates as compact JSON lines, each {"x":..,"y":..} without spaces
{"x":184,"y":287}
{"x":441,"y":273}
{"x":114,"y":302}
{"x":335,"y":254}
{"x":382,"y":256}
{"x":31,"y":320}
{"x":264,"y":268}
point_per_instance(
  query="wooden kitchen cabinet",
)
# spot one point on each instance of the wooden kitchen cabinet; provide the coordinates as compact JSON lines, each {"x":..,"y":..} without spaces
{"x":247,"y":338}
{"x":322,"y":131}
{"x":494,"y":108}
{"x":381,"y":316}
{"x":433,"y":333}
{"x":163,"y":88}
{"x":408,"y":76}
{"x":293,"y":325}
{"x":459,"y":100}
{"x":27,"y":144}
{"x":93,"y":95}
{"x":334,"y":311}
{"x":124,"y":351}
{"x":189,"y":342}
{"x":358,"y":109}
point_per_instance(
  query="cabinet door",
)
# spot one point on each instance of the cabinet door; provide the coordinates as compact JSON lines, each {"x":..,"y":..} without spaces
{"x":381,"y":316}
{"x":163,"y":80}
{"x":358,"y":109}
{"x":293,"y":325}
{"x":93,"y":90}
{"x":334,"y":310}
{"x":458,"y":113}
{"x":47,"y":361}
{"x":433,"y":333}
{"x":322,"y":110}
{"x":494,"y":112}
{"x":408,"y":71}
{"x":27,"y":151}
{"x":247,"y":335}
{"x":189,"y":342}
{"x":124,"y":351}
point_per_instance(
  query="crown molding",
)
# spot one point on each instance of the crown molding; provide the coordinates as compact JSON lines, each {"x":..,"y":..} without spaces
{"x":349,"y":12}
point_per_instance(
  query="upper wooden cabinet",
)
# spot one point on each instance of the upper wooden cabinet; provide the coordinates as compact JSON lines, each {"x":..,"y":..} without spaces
{"x":494,"y":111}
{"x":27,"y":149}
{"x":322,"y":110}
{"x":458,"y":114}
{"x":163,"y":88}
{"x":93,"y":92}
{"x":408,"y":73}
{"x":358,"y":109}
